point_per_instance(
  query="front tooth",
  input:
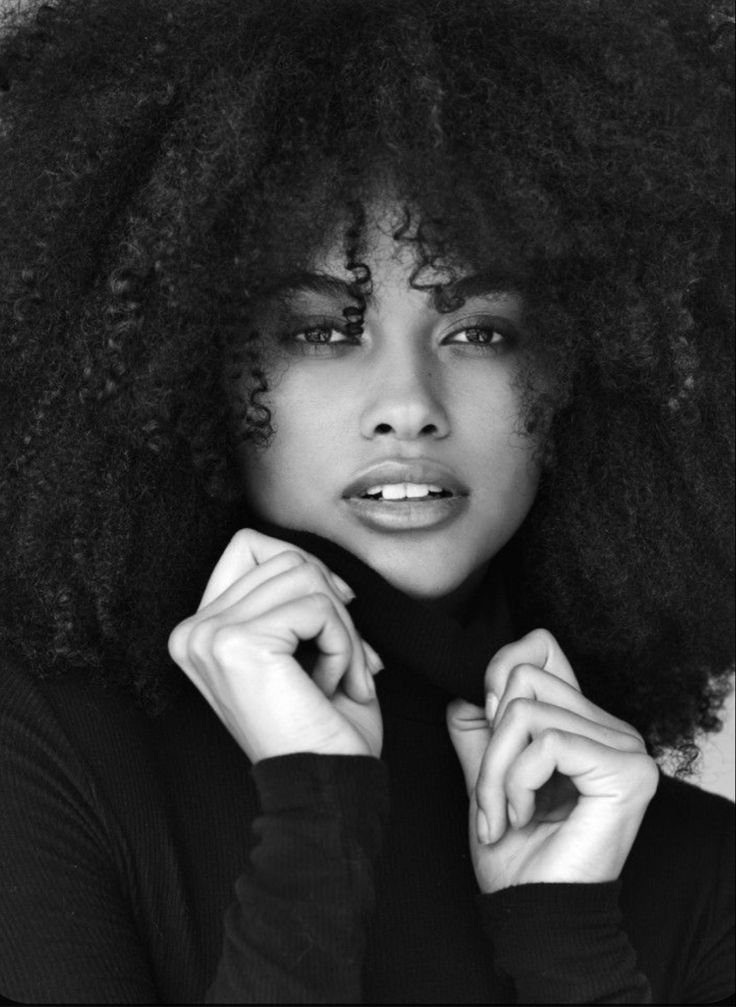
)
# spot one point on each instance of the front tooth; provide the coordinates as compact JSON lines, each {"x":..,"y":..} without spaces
{"x":416,"y":490}
{"x":394,"y":491}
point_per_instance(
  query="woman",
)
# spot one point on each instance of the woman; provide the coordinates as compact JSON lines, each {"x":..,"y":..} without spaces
{"x":365,"y":394}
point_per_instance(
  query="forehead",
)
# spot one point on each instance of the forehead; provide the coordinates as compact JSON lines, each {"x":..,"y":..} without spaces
{"x":380,"y":253}
{"x":388,"y":244}
{"x":392,"y":258}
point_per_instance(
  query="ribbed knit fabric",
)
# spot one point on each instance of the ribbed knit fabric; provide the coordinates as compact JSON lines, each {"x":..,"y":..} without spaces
{"x":580,"y":944}
{"x":296,"y":931}
{"x":144,"y":861}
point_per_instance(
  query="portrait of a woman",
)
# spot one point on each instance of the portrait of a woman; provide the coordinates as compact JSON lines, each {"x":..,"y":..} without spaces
{"x":366,"y":450}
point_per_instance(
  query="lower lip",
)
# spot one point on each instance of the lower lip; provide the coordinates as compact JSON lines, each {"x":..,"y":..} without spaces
{"x":407,"y":515}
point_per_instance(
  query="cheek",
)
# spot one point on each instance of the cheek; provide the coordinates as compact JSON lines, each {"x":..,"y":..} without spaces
{"x":286,"y":473}
{"x":490,"y":416}
{"x":506,"y":456}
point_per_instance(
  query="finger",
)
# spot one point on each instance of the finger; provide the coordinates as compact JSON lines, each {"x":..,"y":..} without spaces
{"x":597,"y":771}
{"x":525,"y":720}
{"x":247,"y":582}
{"x":301,"y":578}
{"x":538,"y":648}
{"x":469,"y":733}
{"x":272,"y":556}
{"x":205,"y":619}
{"x":271,"y":641}
{"x":527,"y":681}
{"x":249,"y":549}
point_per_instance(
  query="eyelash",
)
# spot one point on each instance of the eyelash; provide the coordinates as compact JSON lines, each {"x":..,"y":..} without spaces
{"x":327,"y":347}
{"x":487,"y":326}
{"x":319,"y":347}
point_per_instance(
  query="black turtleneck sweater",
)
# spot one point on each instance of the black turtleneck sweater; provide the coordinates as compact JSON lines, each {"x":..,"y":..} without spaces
{"x":145,"y":861}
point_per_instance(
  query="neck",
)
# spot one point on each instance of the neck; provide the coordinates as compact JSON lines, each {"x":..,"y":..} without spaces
{"x":462,"y":601}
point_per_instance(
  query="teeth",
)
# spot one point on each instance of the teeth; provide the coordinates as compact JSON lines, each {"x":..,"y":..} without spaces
{"x":403,"y":491}
{"x":396,"y":491}
{"x":416,"y":490}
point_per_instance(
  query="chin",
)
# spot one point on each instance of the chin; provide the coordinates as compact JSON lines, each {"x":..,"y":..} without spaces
{"x":423,"y":585}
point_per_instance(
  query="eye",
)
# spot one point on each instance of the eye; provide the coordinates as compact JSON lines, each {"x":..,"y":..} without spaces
{"x":479,"y":335}
{"x":321,"y":335}
{"x":486,"y":333}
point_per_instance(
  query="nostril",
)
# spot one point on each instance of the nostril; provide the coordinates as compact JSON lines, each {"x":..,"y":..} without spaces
{"x":386,"y":428}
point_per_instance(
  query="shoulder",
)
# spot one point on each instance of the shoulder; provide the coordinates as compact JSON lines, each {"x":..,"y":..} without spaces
{"x":686,"y":838}
{"x":677,"y":894}
{"x":689,"y":817}
{"x":94,"y":742}
{"x":683,"y":856}
{"x":67,"y":748}
{"x":67,"y":710}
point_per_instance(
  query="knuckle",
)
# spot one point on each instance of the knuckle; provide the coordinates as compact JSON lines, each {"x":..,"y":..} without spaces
{"x":311,"y":578}
{"x":241,"y":539}
{"x":198,"y":643}
{"x":501,"y":654}
{"x":636,"y":742}
{"x":632,"y":745}
{"x":519,"y":710}
{"x":519,"y":677}
{"x":292,"y":559}
{"x":224,"y":644}
{"x":321,"y":602}
{"x":177,"y":642}
{"x":543,"y":636}
{"x":646,"y":776}
{"x":550,"y":738}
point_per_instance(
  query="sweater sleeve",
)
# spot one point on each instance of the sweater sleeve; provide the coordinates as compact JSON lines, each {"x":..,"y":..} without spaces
{"x":67,"y":933}
{"x":73,"y":928}
{"x":564,"y":943}
{"x":296,"y":930}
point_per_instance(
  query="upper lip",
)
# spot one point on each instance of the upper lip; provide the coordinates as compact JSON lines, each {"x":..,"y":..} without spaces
{"x":405,"y":470}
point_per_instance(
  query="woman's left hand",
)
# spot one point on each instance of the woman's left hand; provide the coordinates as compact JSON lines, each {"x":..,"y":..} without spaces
{"x":558,"y":787}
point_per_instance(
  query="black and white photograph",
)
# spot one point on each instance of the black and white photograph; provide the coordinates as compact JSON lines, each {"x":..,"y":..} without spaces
{"x":366,"y":502}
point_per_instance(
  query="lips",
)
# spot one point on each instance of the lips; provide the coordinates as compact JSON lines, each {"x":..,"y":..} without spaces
{"x":409,"y":474}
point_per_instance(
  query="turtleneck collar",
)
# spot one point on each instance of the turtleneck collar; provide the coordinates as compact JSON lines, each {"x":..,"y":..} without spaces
{"x":429,"y":656}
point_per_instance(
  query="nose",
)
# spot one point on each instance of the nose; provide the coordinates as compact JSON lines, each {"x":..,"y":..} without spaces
{"x":404,"y":397}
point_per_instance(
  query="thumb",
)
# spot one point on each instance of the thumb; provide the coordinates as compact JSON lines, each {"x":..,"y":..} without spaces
{"x":470,"y":734}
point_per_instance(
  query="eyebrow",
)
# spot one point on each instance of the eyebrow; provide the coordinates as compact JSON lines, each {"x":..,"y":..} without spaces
{"x":315,"y":283}
{"x":476,"y":285}
{"x":484,"y":284}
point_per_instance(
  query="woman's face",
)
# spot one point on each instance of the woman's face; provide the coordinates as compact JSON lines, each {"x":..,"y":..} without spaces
{"x":402,"y":444}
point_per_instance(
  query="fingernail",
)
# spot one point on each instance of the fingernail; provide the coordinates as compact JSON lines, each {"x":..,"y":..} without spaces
{"x":345,"y":590}
{"x":482,"y":828}
{"x":491,"y":706}
{"x":374,"y":661}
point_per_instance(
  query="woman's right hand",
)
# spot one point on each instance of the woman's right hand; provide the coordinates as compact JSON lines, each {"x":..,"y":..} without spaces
{"x":264,"y":599}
